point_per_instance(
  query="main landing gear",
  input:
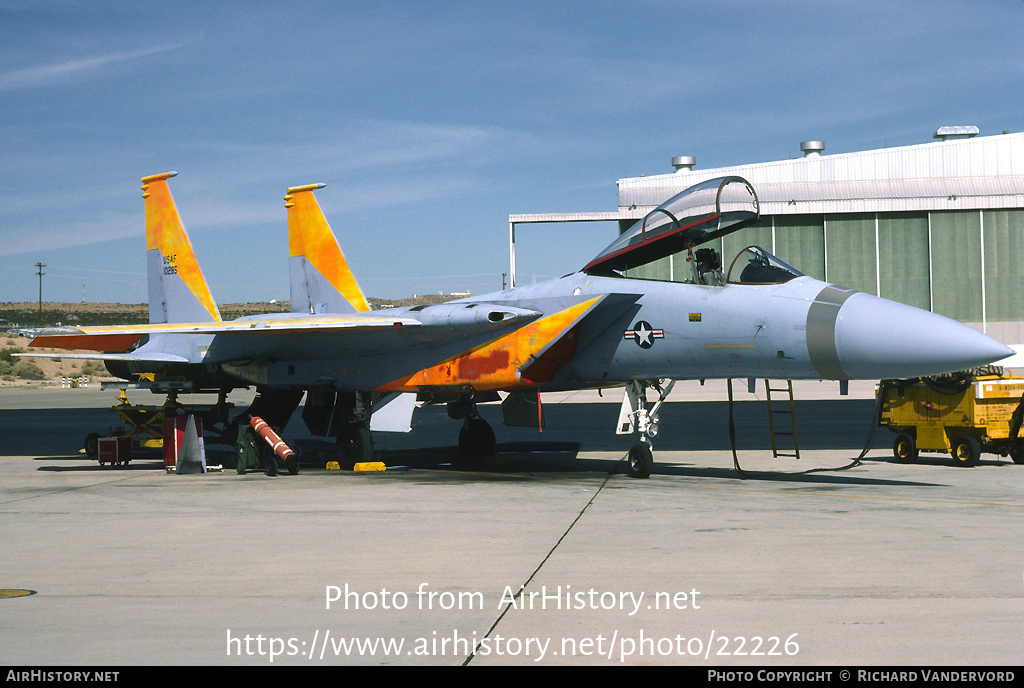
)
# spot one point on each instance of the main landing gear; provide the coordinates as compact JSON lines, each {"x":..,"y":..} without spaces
{"x":351,"y":417}
{"x":354,"y":444}
{"x":476,"y":438}
{"x":634,"y":416}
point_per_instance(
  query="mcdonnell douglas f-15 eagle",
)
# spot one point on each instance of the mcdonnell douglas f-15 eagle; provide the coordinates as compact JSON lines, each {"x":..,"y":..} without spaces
{"x":363,"y":370}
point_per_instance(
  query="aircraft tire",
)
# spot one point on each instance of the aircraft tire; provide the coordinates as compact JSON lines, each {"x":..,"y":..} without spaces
{"x":641,"y":461}
{"x":905,"y":449}
{"x":476,"y":439}
{"x":966,"y":451}
{"x":355,"y":445}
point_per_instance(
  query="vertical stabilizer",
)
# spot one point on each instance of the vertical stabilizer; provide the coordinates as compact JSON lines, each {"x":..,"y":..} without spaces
{"x":177,"y":289}
{"x":319,"y":276}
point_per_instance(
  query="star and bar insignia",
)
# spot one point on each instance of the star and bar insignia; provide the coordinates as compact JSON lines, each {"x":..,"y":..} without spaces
{"x":643,"y":334}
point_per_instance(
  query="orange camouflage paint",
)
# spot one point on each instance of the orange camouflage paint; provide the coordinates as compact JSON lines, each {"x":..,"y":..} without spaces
{"x":166,"y":234}
{"x":112,"y":343}
{"x":496,"y":364}
{"x":310,"y":236}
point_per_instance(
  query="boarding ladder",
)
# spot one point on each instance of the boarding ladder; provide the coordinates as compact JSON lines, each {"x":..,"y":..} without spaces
{"x":781,"y":409}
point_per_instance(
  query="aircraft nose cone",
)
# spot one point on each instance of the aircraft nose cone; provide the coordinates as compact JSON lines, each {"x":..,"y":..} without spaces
{"x":879,"y":339}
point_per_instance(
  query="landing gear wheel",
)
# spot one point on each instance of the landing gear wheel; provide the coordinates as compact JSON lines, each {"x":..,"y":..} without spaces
{"x":966,"y":451}
{"x":355,"y":445}
{"x":92,"y":445}
{"x":641,"y":461}
{"x":905,"y":449}
{"x":476,"y":439}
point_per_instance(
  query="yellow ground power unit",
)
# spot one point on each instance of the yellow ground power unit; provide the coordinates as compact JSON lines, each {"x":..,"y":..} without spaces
{"x":962,"y":415}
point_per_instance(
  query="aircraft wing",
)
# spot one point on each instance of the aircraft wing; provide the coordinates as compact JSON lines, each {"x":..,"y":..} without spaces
{"x":480,"y":345}
{"x":699,"y":214}
{"x":122,"y":338}
{"x":298,"y":335}
{"x":154,"y":357}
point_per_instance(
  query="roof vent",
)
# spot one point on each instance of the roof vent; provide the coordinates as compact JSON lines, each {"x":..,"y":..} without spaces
{"x":950,"y":133}
{"x":812,"y":149}
{"x":684,"y":163}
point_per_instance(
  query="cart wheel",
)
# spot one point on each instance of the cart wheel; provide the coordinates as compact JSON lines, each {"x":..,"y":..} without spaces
{"x":966,"y":451}
{"x":905,"y":449}
{"x":92,"y":445}
{"x":1017,"y":452}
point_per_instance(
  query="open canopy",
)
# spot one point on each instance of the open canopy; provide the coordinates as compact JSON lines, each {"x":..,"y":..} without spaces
{"x":699,"y":214}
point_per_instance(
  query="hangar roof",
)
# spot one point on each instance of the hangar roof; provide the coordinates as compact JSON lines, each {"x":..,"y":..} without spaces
{"x":951,"y":174}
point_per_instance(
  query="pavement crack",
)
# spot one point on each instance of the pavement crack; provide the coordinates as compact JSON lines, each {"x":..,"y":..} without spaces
{"x":543,"y":561}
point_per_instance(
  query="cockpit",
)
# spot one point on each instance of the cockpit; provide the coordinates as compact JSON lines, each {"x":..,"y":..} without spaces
{"x":754,"y":265}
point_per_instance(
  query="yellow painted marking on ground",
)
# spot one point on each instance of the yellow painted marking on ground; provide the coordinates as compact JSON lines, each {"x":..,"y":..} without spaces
{"x":7,"y":593}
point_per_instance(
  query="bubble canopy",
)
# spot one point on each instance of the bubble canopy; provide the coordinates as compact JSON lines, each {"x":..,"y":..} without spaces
{"x":697,"y":215}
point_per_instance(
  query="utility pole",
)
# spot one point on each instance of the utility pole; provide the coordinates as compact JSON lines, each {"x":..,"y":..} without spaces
{"x":40,"y":272}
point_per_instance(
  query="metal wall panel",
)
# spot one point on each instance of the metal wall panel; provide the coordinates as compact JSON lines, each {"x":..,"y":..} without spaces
{"x":903,"y":259}
{"x":1004,"y":264}
{"x":956,"y":265}
{"x":851,"y":252}
{"x":800,"y":241}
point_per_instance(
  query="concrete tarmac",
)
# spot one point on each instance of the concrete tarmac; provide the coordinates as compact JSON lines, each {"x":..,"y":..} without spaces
{"x":550,"y":554}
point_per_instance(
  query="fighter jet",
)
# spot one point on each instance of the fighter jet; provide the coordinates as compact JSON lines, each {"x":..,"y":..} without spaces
{"x":365,"y":370}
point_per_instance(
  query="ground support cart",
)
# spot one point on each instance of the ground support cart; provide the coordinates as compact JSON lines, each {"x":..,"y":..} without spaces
{"x":144,"y":423}
{"x":962,"y":415}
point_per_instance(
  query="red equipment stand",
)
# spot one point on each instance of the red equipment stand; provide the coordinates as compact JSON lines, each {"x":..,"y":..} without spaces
{"x":174,"y":437}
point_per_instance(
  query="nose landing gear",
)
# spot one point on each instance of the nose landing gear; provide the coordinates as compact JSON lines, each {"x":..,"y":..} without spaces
{"x":634,"y":416}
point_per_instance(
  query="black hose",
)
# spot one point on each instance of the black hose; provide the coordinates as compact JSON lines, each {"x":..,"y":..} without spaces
{"x":855,"y":462}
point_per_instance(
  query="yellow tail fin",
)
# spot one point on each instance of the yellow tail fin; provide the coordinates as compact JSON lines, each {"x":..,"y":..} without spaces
{"x":177,"y":290}
{"x":319,"y":276}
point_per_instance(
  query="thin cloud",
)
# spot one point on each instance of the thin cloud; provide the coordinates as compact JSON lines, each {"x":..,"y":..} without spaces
{"x":61,"y":72}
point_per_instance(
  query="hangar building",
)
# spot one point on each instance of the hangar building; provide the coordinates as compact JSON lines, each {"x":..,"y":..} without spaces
{"x":938,"y":225}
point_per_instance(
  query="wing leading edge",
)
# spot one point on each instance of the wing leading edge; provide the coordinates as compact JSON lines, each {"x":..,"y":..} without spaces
{"x":526,"y":357}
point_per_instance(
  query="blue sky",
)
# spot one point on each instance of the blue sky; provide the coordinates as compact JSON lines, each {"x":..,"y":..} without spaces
{"x":431,"y":122}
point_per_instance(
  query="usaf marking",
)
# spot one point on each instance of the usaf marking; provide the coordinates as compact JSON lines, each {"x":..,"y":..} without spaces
{"x":643,"y":334}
